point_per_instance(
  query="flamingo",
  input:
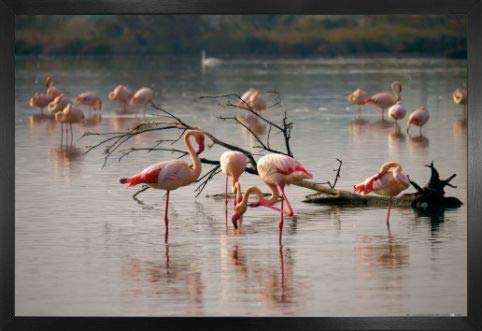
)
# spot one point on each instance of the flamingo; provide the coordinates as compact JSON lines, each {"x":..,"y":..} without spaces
{"x":122,"y":94}
{"x":39,"y":100}
{"x":460,"y":97}
{"x":90,"y":99}
{"x":418,"y":118}
{"x":389,"y":181}
{"x":170,"y":175}
{"x":233,"y":164}
{"x":142,"y":97}
{"x":209,"y":61}
{"x":358,"y":97}
{"x":253,"y":99}
{"x":397,"y":112}
{"x":59,"y":104}
{"x":68,"y":116}
{"x":277,"y":171}
{"x":384,"y":100}
{"x":52,"y":91}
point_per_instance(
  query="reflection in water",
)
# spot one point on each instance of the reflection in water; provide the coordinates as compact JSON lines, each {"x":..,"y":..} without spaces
{"x":376,"y":253}
{"x":95,"y":119}
{"x":37,"y":120}
{"x":257,"y":127}
{"x":460,"y":130}
{"x":166,"y":277}
{"x":63,"y":158}
{"x":418,"y":143}
{"x":359,"y":127}
{"x":396,"y":138}
{"x":120,"y":121}
{"x":382,"y":124}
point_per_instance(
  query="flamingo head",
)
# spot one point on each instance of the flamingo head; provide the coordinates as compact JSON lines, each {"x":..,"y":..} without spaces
{"x":80,"y":99}
{"x":199,"y":140}
{"x":68,"y":109}
{"x":49,"y":81}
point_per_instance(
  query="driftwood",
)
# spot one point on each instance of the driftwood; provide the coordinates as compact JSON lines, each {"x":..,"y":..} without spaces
{"x":431,"y":196}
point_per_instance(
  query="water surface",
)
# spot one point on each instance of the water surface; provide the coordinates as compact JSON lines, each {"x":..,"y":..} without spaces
{"x":84,"y":247}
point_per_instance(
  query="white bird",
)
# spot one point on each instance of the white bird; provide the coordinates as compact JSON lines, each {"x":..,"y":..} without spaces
{"x":209,"y":61}
{"x":397,"y":112}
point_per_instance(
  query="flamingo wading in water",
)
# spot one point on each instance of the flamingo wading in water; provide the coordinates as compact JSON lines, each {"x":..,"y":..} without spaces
{"x":142,"y":97}
{"x":253,"y":99}
{"x":358,"y":98}
{"x":418,"y":118}
{"x":170,"y":175}
{"x":68,"y":116}
{"x":277,"y":171}
{"x":122,"y":94}
{"x":397,"y":112}
{"x":460,"y":98}
{"x":385,"y":100}
{"x":233,"y":164}
{"x":389,"y":181}
{"x":90,"y":99}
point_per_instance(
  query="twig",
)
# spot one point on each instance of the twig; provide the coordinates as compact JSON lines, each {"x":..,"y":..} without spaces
{"x":134,"y":196}
{"x":337,"y":176}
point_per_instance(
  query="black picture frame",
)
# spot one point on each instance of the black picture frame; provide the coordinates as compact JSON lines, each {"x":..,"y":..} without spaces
{"x":9,"y":8}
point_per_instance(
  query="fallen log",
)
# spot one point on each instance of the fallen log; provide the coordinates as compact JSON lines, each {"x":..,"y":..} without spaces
{"x":431,"y":196}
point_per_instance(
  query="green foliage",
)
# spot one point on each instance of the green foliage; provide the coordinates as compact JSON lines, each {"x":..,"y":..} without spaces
{"x":290,"y":35}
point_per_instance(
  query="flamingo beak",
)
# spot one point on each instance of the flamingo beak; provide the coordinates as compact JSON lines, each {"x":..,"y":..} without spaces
{"x":235,"y":218}
{"x":200,"y":142}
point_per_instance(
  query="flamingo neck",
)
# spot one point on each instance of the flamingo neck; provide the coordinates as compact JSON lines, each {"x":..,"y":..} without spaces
{"x":251,"y":190}
{"x":196,"y":162}
{"x":390,"y":165}
{"x":397,"y":92}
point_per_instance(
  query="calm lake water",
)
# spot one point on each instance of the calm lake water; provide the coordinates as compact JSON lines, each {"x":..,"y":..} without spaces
{"x":84,"y":247}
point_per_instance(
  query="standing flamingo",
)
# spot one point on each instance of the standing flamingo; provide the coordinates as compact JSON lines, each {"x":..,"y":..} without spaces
{"x":52,"y":91}
{"x":233,"y":164}
{"x":384,"y":100}
{"x":122,"y":94}
{"x":142,"y":97}
{"x":90,"y":99}
{"x":389,"y":181}
{"x":277,"y":171}
{"x":253,"y":99}
{"x":358,"y":98}
{"x":39,"y":100}
{"x":59,"y":104}
{"x":418,"y":118}
{"x":397,"y":112}
{"x":68,"y":116}
{"x":170,"y":175}
{"x":460,"y":98}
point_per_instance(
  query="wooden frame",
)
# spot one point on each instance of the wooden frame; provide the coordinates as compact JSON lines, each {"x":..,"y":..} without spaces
{"x":8,"y":10}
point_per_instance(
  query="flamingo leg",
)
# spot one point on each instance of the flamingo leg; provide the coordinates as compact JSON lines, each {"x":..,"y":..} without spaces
{"x":290,"y":210}
{"x":226,"y":201}
{"x":61,"y":134}
{"x":281,"y":221}
{"x":166,"y":219}
{"x":388,"y":212}
{"x":71,"y":134}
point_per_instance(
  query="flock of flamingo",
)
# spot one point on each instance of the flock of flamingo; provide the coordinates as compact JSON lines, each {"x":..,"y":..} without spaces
{"x":275,"y":170}
{"x":67,"y":112}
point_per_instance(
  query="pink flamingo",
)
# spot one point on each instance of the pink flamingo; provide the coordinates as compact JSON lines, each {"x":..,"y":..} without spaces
{"x":233,"y":164}
{"x":68,"y":116}
{"x":39,"y":100}
{"x":358,"y":97}
{"x":389,"y":181}
{"x":59,"y":104}
{"x":170,"y":175}
{"x":397,"y":112}
{"x":277,"y":171}
{"x":384,"y":100}
{"x":122,"y":94}
{"x":90,"y":99}
{"x":52,"y":91}
{"x":142,"y":97}
{"x":253,"y":99}
{"x":460,"y":98}
{"x":418,"y":118}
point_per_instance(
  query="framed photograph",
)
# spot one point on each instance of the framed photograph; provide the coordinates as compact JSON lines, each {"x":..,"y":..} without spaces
{"x":253,"y":165}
